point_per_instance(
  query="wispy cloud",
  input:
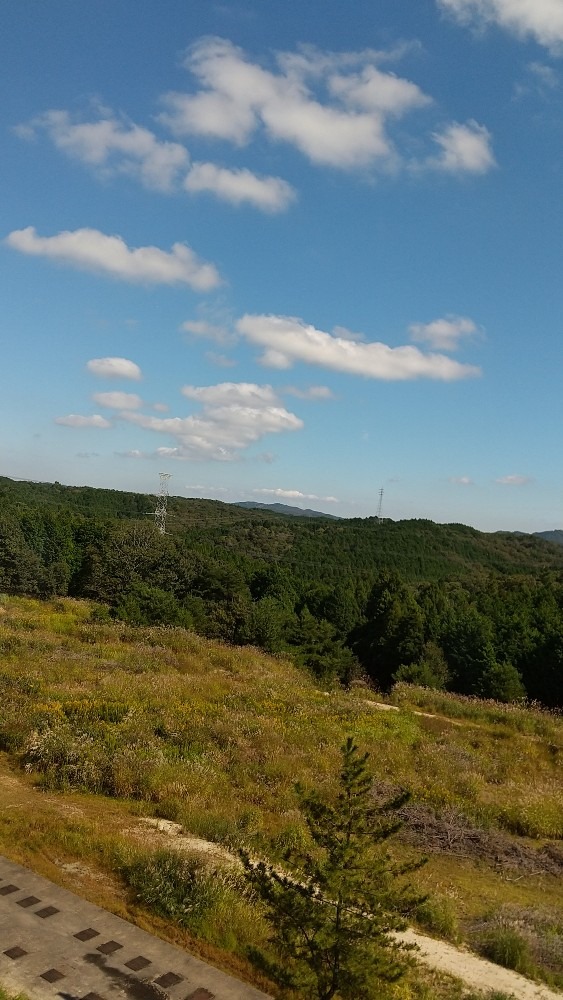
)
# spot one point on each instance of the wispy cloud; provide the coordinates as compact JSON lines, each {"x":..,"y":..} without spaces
{"x":219,"y":332}
{"x":513,"y":480}
{"x":443,"y":334}
{"x":538,"y":19}
{"x":286,"y":340}
{"x":91,"y":250}
{"x":118,"y":400}
{"x":221,"y":360}
{"x":77,"y":420}
{"x":282,"y":494}
{"x":114,"y":368}
{"x":313,"y":392}
{"x":461,"y":480}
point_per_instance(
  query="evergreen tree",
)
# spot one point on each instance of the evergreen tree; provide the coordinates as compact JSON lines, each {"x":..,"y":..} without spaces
{"x":334,"y":913}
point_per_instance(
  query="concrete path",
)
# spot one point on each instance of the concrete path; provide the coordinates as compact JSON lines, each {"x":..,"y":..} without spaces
{"x":54,"y":944}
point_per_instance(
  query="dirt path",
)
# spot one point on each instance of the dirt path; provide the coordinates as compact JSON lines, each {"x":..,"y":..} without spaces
{"x":474,"y":971}
{"x":477,"y":973}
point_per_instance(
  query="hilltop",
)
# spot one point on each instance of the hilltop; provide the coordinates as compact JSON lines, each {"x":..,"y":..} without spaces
{"x":283,"y":508}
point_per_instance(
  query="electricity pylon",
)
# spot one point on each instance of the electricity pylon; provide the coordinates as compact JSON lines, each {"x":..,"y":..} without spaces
{"x":161,"y":502}
{"x":380,"y":506}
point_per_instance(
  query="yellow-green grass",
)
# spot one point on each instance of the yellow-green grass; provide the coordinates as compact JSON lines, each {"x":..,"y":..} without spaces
{"x":161,"y":721}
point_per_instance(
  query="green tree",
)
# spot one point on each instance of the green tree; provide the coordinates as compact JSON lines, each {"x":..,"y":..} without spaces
{"x":334,"y":912}
{"x":393,"y":632}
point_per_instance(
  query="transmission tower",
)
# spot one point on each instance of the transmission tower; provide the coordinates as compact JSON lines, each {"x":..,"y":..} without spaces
{"x":161,"y":502}
{"x":380,"y":507}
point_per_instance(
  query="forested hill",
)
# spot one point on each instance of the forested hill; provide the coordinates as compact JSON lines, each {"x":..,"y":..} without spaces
{"x":442,"y":605}
{"x":312,"y":547}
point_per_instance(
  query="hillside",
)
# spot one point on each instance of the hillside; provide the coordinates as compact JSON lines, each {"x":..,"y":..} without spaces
{"x":418,"y":549}
{"x":122,"y":725}
{"x":442,"y":605}
{"x":555,"y":536}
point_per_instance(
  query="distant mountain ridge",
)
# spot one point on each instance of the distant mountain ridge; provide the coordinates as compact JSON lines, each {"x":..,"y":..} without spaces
{"x":283,"y":508}
{"x":551,"y":536}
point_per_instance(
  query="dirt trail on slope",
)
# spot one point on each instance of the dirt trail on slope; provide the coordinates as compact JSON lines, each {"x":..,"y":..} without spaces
{"x":474,"y":971}
{"x":17,"y":793}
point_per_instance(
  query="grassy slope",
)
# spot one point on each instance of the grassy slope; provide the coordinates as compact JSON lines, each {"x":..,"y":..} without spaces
{"x":215,"y":737}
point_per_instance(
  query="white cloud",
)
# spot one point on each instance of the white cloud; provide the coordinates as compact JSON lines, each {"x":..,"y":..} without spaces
{"x":539,"y":19}
{"x":270,"y":194}
{"x":513,"y":480}
{"x":76,"y":420}
{"x":160,"y":407}
{"x":133,"y":453}
{"x":443,"y":334}
{"x":87,"y":454}
{"x":286,"y":340}
{"x":464,"y":149}
{"x":232,"y":394}
{"x":113,"y":146}
{"x":238,"y":97}
{"x":293,"y":495}
{"x":234,"y":416}
{"x":91,"y":250}
{"x":114,"y":368}
{"x":461,"y":480}
{"x":545,"y":75}
{"x":118,"y":400}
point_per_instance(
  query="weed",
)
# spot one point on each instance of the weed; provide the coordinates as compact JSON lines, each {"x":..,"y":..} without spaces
{"x":437,"y":915}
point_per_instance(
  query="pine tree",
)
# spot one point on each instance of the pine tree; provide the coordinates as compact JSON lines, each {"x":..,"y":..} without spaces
{"x":334,"y":909}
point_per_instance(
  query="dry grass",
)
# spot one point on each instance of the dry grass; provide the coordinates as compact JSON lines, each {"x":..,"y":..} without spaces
{"x":163,"y":722}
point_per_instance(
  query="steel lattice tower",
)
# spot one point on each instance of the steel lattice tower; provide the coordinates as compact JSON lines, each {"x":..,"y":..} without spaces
{"x":380,"y":506}
{"x":161,"y":502}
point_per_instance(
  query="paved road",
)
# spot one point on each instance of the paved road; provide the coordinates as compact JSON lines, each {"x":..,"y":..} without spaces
{"x":54,"y":944}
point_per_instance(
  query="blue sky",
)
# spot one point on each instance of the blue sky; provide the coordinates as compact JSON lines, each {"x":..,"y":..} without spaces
{"x":287,"y":251}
